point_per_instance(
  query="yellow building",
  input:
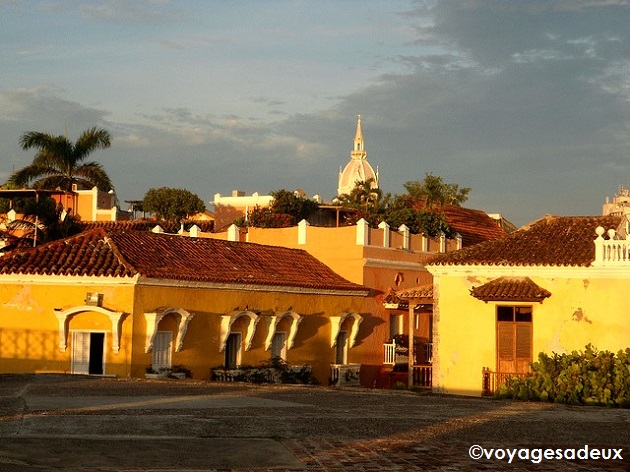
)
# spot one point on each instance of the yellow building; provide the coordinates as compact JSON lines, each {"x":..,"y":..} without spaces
{"x":385,"y":259}
{"x":554,"y":286}
{"x":115,"y":302}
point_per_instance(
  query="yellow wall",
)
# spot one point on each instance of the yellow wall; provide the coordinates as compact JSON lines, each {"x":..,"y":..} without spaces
{"x":29,"y":337}
{"x":29,"y":333}
{"x":580,"y":311}
{"x":373,"y":266}
{"x":201,"y":349}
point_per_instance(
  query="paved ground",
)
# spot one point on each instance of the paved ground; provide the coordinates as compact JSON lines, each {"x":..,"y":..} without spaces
{"x":74,"y":423}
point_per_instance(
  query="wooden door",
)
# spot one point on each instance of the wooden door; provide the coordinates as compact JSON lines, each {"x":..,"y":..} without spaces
{"x":514,"y":339}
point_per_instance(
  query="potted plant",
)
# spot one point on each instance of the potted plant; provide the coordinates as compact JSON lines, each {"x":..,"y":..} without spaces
{"x":151,"y":373}
{"x":180,"y":372}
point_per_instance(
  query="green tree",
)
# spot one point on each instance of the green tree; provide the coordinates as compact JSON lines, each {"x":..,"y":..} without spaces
{"x":286,"y":209}
{"x":288,"y":203}
{"x":59,"y":163}
{"x":172,"y":204}
{"x":436,"y":193}
{"x":369,"y":202}
{"x":265,"y":217}
{"x":401,"y":211}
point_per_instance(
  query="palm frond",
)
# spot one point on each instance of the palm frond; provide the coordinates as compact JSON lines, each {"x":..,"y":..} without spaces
{"x":57,"y":162}
{"x":95,"y":173}
{"x":89,"y":141}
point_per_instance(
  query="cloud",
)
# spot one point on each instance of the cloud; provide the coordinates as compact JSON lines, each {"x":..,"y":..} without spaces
{"x":130,"y":11}
{"x":44,"y":105}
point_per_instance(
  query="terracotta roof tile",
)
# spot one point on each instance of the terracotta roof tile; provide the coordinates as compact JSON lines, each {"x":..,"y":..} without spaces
{"x":423,"y":291}
{"x":84,"y":254}
{"x":521,"y":289}
{"x":121,"y":253}
{"x":475,"y":226}
{"x":550,"y":241}
{"x":146,"y":225}
{"x":421,"y":294}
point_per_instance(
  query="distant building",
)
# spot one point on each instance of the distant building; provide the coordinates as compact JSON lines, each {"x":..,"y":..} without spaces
{"x":358,"y":169}
{"x":620,"y":205}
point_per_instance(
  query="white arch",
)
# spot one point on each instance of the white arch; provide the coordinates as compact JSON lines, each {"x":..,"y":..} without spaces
{"x":153,"y":320}
{"x":272,"y":322}
{"x":228,"y":320}
{"x":63,"y":316}
{"x":337,"y":321}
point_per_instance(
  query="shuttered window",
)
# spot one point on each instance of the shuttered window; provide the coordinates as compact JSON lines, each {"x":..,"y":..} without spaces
{"x":80,"y":352}
{"x":233,"y":351}
{"x":514,"y":339}
{"x":279,"y":346}
{"x":341,"y":355}
{"x":162,"y":347}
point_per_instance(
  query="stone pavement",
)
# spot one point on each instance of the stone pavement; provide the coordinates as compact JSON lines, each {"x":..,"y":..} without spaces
{"x":74,"y":423}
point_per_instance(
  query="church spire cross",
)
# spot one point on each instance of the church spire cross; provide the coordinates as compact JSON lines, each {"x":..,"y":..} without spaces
{"x":358,"y":150}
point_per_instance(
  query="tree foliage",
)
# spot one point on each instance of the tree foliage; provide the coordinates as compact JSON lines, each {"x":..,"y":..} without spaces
{"x":286,"y":209}
{"x":374,"y":206}
{"x":288,"y":203}
{"x":265,"y":217}
{"x":172,"y":204}
{"x":402,"y":212}
{"x":369,"y":202}
{"x":436,"y":193}
{"x":59,"y":163}
{"x":42,"y":221}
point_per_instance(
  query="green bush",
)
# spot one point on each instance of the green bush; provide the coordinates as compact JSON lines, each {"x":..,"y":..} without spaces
{"x":588,"y":377}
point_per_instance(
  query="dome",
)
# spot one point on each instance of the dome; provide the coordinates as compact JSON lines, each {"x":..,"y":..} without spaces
{"x":358,"y":169}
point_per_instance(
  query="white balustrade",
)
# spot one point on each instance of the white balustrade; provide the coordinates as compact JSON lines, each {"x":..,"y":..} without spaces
{"x":611,"y":252}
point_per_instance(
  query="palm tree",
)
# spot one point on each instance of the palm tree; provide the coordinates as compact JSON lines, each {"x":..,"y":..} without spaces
{"x":364,"y":195}
{"x":59,"y":163}
{"x":367,"y":199}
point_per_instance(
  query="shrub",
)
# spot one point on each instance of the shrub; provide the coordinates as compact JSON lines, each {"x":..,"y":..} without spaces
{"x":588,"y":377}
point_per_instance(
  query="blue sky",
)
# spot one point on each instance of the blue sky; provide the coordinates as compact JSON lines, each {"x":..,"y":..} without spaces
{"x":527,"y":103}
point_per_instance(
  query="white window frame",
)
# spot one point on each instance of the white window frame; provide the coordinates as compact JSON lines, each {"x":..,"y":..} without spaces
{"x":82,"y":366}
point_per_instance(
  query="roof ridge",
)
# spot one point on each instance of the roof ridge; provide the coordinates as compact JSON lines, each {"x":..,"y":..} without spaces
{"x":117,"y":253}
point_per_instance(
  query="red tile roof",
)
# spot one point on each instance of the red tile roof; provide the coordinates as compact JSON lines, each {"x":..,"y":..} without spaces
{"x":421,"y":294}
{"x":146,"y":225}
{"x":550,"y":241}
{"x":504,"y":289}
{"x":475,"y":226}
{"x":122,"y":253}
{"x":423,"y":291}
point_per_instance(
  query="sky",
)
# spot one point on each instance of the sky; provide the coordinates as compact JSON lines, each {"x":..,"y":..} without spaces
{"x":525,"y":102}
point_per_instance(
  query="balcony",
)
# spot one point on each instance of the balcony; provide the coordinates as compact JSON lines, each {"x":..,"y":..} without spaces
{"x":396,"y":354}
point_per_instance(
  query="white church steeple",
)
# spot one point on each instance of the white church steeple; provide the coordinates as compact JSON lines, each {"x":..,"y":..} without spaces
{"x":358,"y":169}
